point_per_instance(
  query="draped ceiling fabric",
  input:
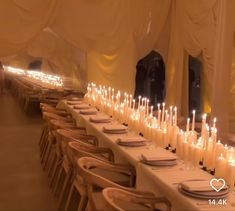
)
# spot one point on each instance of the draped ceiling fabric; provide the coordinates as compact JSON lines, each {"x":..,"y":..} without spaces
{"x":20,"y":60}
{"x":59,"y":57}
{"x":21,"y":21}
{"x":113,"y":35}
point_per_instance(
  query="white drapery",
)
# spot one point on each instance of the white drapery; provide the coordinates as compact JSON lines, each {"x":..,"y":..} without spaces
{"x":116,"y":34}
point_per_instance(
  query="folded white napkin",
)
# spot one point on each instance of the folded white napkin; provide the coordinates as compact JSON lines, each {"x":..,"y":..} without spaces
{"x":75,"y":98}
{"x":88,"y":111}
{"x":131,"y":139}
{"x":114,"y":128}
{"x":82,"y":106}
{"x":193,"y":186}
{"x":149,"y":156}
{"x":100,"y":119}
{"x":74,"y":102}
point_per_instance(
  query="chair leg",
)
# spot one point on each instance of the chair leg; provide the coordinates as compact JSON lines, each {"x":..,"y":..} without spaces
{"x":49,"y":160}
{"x":65,"y":190}
{"x":47,"y":151}
{"x":44,"y":131}
{"x":52,"y":163}
{"x":54,"y":173}
{"x":44,"y":144}
{"x":69,"y":200}
{"x":60,"y":178}
{"x":44,"y":152}
{"x":83,"y":203}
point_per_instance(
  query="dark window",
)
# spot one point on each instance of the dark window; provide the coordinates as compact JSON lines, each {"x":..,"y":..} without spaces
{"x":195,"y":68}
{"x":150,"y":78}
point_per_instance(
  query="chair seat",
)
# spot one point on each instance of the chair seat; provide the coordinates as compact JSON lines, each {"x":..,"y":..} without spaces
{"x":118,"y":178}
{"x":101,"y":204}
{"x":115,"y":177}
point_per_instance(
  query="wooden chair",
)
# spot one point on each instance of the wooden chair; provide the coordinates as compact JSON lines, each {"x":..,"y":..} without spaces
{"x":53,"y":110}
{"x":53,"y":125}
{"x":47,"y":105}
{"x":89,"y":169}
{"x":48,"y":116}
{"x":122,"y":200}
{"x":62,"y":138}
{"x":70,"y":186}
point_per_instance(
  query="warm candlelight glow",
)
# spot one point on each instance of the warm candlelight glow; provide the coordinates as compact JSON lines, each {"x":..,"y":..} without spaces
{"x":163,"y":129}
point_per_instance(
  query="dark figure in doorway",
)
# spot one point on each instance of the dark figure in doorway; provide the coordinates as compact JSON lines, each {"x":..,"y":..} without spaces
{"x":192,"y":103}
{"x":157,"y":78}
{"x":140,"y":78}
{"x":35,"y":65}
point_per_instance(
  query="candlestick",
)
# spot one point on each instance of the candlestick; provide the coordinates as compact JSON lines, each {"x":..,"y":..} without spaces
{"x":133,"y":104}
{"x":179,"y":146}
{"x":170,"y":115}
{"x":158,"y":106}
{"x":175,"y":109}
{"x":230,"y":178}
{"x":147,"y":107}
{"x":193,"y":123}
{"x":214,"y":122}
{"x":139,"y":102}
{"x":151,"y":113}
{"x":187,"y":127}
{"x":163,"y":111}
{"x":220,"y":167}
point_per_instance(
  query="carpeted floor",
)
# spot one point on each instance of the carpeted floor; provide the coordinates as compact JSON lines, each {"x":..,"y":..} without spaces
{"x":23,"y":184}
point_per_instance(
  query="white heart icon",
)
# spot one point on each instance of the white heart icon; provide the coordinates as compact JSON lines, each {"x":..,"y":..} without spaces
{"x":217,"y":184}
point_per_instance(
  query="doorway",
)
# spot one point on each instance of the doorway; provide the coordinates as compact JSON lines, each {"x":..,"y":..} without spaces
{"x":150,"y":78}
{"x":195,"y":70}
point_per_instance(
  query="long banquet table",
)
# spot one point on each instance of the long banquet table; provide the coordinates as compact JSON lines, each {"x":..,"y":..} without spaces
{"x":163,"y":181}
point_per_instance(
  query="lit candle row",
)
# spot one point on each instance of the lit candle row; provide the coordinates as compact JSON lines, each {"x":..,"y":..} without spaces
{"x":36,"y":75}
{"x":162,"y":129}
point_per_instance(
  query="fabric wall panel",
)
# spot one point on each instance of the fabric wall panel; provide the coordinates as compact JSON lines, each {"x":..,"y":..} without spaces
{"x":21,"y":21}
{"x":116,"y":70}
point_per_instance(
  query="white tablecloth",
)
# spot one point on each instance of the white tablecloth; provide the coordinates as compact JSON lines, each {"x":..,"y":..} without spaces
{"x":163,"y":181}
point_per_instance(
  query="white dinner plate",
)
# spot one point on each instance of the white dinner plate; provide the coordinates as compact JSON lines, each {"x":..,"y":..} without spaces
{"x":132,"y":144}
{"x":160,"y":162}
{"x":204,"y":194}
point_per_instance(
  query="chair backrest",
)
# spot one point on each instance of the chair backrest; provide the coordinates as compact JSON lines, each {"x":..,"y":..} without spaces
{"x":59,"y":124}
{"x":48,"y":116}
{"x":53,"y":110}
{"x":63,"y":137}
{"x":93,"y":180}
{"x":79,"y":134}
{"x":86,"y":164}
{"x":46,"y":105}
{"x":121,"y":200}
{"x":77,"y":150}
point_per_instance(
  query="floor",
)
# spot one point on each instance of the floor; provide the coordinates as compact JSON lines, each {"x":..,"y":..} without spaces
{"x":23,"y":184}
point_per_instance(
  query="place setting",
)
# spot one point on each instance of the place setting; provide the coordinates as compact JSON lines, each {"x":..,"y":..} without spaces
{"x":73,"y":101}
{"x":204,"y":189}
{"x":115,"y":129}
{"x":76,"y":99}
{"x":81,"y":106}
{"x":89,"y":111}
{"x":100,"y":119}
{"x":132,"y":141}
{"x":159,"y":158}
